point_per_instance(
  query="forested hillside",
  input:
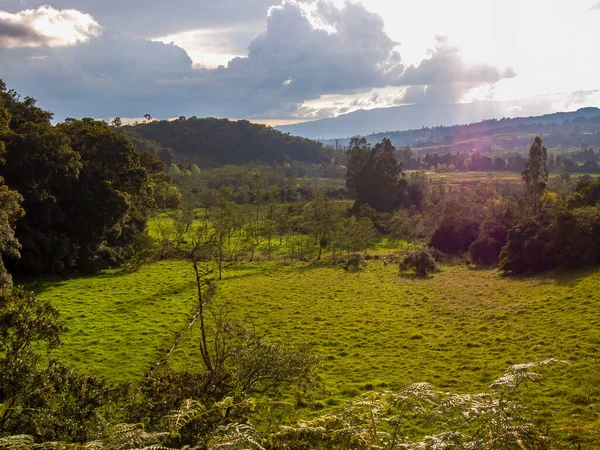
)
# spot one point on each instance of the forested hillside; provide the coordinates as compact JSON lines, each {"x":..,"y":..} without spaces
{"x":559,"y":130}
{"x":216,"y":142}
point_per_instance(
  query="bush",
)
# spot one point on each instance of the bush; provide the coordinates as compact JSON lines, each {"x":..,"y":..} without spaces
{"x":526,"y":249}
{"x":355,"y":262}
{"x":485,"y":250}
{"x":455,"y":239}
{"x":422,"y":261}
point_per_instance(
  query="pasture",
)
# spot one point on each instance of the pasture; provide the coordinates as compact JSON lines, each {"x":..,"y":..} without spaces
{"x":374,"y":329}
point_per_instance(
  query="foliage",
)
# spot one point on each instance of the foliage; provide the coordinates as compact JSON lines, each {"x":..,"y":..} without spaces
{"x":26,"y":323}
{"x":163,"y":194}
{"x":323,"y":220}
{"x":557,"y":237}
{"x":422,"y":261}
{"x":535,"y":173}
{"x":374,"y":420}
{"x":491,"y":420}
{"x":374,"y":175}
{"x":112,"y":197}
{"x":10,"y":212}
{"x":215,"y":142}
{"x":493,"y":232}
{"x":84,"y":191}
{"x":10,"y":207}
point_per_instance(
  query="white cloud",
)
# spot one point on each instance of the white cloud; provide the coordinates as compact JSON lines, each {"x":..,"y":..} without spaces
{"x":445,"y":78}
{"x":46,"y":26}
{"x":313,"y":59}
{"x":118,"y":75}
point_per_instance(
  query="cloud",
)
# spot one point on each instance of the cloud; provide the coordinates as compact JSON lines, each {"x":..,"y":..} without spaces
{"x":308,"y":50}
{"x":151,"y":18}
{"x":291,"y":61}
{"x":46,"y":26}
{"x":444,"y":77}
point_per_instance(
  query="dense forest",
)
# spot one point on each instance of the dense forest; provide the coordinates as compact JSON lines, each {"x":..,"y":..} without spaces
{"x":82,"y":196}
{"x":215,"y":142}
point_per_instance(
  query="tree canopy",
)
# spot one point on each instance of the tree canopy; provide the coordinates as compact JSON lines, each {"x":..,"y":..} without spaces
{"x":535,"y":173}
{"x":374,"y":175}
{"x":85,"y":193}
{"x":214,"y":142}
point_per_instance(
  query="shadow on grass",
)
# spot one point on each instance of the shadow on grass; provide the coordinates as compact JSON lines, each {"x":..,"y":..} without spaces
{"x":43,"y":283}
{"x":559,"y":277}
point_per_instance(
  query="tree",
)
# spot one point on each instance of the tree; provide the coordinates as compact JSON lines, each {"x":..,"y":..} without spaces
{"x":39,"y":164}
{"x":535,"y":173}
{"x":222,"y":223}
{"x":84,"y":190}
{"x":324,"y":218}
{"x":421,"y":261}
{"x":10,"y":210}
{"x":195,"y":170}
{"x":174,"y":170}
{"x":374,"y":175}
{"x":116,"y":122}
{"x":258,"y":194}
{"x":108,"y":204}
{"x":26,"y":325}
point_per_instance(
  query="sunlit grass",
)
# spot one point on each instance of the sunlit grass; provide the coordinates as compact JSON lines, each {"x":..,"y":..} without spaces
{"x":458,"y":330}
{"x":374,"y":329}
{"x":118,"y":325}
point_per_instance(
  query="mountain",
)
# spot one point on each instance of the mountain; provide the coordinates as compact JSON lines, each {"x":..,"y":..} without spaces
{"x":414,"y":117}
{"x":216,"y":142}
{"x":566,"y":130}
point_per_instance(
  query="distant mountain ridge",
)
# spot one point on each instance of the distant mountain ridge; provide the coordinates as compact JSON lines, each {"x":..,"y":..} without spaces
{"x":575,"y":128}
{"x":413,"y":118}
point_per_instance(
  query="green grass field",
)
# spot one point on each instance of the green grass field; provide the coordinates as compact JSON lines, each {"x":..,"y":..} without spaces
{"x":459,"y":329}
{"x":119,"y":324}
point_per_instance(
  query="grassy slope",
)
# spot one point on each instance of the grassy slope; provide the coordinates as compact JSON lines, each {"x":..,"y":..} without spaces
{"x":458,"y":330}
{"x":118,"y":325}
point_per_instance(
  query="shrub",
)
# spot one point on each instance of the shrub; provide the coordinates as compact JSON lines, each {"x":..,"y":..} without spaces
{"x":355,"y":262}
{"x":421,"y":261}
{"x":455,"y":238}
{"x":485,"y":250}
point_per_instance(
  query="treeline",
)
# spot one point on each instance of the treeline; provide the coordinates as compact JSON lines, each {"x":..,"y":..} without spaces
{"x":522,"y":229}
{"x":85,"y":191}
{"x":565,"y":129}
{"x":216,"y":142}
{"x":292,"y":183}
{"x":584,"y":160}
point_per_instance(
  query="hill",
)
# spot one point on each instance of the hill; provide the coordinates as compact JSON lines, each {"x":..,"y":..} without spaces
{"x":216,"y":142}
{"x":414,"y":122}
{"x":559,"y":131}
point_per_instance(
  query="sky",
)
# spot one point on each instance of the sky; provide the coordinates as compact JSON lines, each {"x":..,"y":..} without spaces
{"x":298,"y":60}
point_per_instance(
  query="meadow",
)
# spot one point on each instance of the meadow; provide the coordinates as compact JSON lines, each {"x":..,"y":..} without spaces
{"x":374,"y":329}
{"x":119,"y":324}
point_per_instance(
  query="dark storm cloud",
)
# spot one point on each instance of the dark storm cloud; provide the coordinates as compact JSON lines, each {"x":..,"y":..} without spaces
{"x":18,"y":32}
